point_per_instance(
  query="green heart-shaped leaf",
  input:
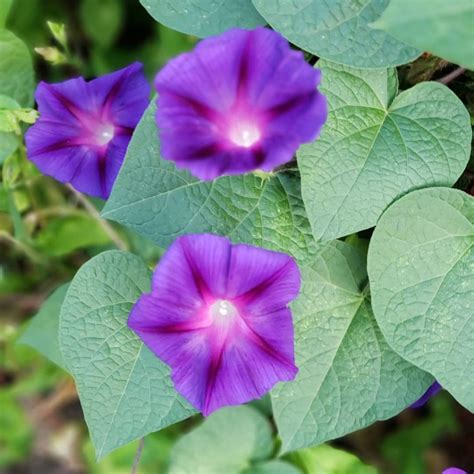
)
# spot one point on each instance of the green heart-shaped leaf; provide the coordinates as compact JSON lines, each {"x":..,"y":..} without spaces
{"x":348,"y":375}
{"x":125,"y":390}
{"x":204,"y":17}
{"x":338,"y":30}
{"x":421,"y":268}
{"x":377,"y":146}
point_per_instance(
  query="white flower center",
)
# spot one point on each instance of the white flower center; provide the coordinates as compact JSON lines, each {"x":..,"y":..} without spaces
{"x":105,"y":134}
{"x":223,"y":311}
{"x":244,"y":134}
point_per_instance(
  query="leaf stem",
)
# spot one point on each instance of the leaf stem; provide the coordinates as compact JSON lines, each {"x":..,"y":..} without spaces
{"x":109,"y":230}
{"x":138,"y":455}
{"x":452,"y":75}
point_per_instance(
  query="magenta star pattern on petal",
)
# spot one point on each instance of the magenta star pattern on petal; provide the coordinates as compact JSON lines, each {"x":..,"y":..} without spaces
{"x":84,"y":128}
{"x":217,"y":315}
{"x":240,"y":101}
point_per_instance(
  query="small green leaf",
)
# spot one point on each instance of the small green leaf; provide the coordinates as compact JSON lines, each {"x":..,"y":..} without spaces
{"x":421,"y":268}
{"x":226,"y":442}
{"x":204,"y":17}
{"x":16,"y":69}
{"x":125,"y":390}
{"x":377,"y":146}
{"x":325,"y":459}
{"x":52,"y":55}
{"x":444,"y":29}
{"x":170,"y":202}
{"x":348,"y":376}
{"x":58,"y":30}
{"x":65,"y":234}
{"x":11,"y":114}
{"x":338,"y":30}
{"x":42,"y":331}
{"x":28,"y":116}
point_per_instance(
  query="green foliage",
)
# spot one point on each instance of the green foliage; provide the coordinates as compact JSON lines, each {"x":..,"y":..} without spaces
{"x":8,"y":145}
{"x":5,"y":6}
{"x":32,"y":375}
{"x":377,"y":146}
{"x":102,"y":20}
{"x":338,"y":30}
{"x":325,"y":459}
{"x":125,"y":390}
{"x":204,"y":17}
{"x":445,"y":28}
{"x":15,"y":433}
{"x":421,"y":261}
{"x":229,"y":441}
{"x":154,"y":457}
{"x":16,"y":83}
{"x":12,"y":114}
{"x":42,"y":331}
{"x":404,"y":448}
{"x":65,"y":234}
{"x":16,"y":70}
{"x":348,"y":376}
{"x":58,"y":30}
{"x":272,"y":467}
{"x":170,"y":202}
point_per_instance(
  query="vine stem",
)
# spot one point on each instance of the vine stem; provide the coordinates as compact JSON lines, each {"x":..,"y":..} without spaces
{"x":452,"y":75}
{"x":138,"y":455}
{"x":108,"y":229}
{"x":30,"y":252}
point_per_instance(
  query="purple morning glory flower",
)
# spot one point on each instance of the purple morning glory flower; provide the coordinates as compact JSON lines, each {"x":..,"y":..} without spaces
{"x":433,"y":389}
{"x":454,"y":470}
{"x":240,"y":101}
{"x":84,"y":128}
{"x":217,"y":315}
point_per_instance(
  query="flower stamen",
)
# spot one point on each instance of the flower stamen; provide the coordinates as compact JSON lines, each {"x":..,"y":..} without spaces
{"x":244,"y":134}
{"x":105,"y":134}
{"x":223,"y":311}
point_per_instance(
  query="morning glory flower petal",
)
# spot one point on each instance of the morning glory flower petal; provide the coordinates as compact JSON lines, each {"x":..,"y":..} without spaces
{"x":433,"y":389}
{"x":84,"y":128}
{"x":217,"y":315}
{"x":240,"y":101}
